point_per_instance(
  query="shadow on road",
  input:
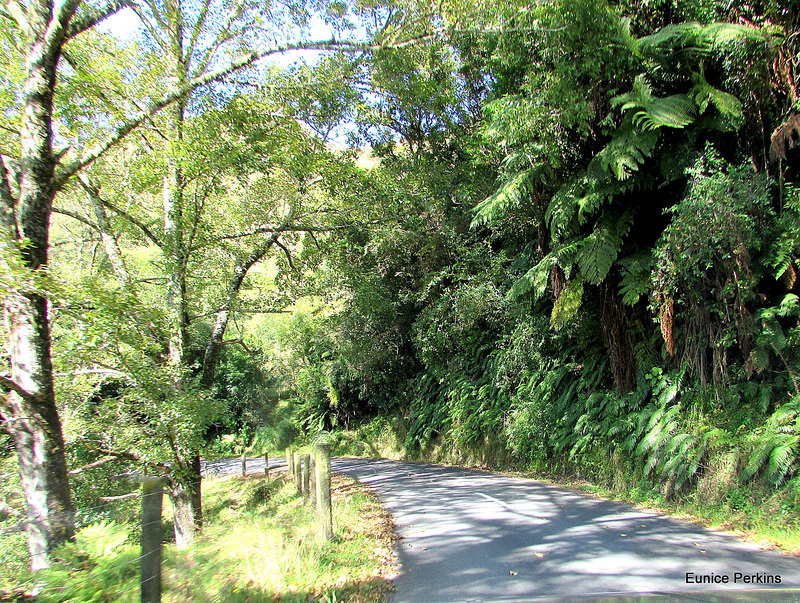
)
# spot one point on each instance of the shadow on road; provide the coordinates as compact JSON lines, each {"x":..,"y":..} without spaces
{"x":473,"y":536}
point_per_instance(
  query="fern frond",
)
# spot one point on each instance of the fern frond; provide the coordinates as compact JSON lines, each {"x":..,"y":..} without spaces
{"x":781,"y":459}
{"x":635,"y":280}
{"x":534,"y":280}
{"x":562,"y":210}
{"x":674,"y":111}
{"x":623,"y":155}
{"x":671,"y":37}
{"x":695,"y":37}
{"x":704,"y":94}
{"x":599,"y":250}
{"x":510,"y":194}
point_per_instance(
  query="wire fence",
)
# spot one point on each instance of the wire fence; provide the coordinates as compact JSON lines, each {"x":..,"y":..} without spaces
{"x":109,"y":524}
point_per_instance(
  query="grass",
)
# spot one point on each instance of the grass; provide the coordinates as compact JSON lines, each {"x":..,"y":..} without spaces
{"x":259,"y":544}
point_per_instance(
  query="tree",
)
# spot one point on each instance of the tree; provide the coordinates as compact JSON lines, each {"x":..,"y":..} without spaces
{"x":30,"y":178}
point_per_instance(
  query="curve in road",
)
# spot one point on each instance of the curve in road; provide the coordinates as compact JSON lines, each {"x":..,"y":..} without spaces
{"x":470,"y":536}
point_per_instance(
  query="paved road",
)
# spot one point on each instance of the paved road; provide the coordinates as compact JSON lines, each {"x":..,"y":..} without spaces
{"x":469,"y":536}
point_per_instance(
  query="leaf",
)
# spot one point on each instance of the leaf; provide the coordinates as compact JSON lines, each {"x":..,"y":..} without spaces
{"x":635,"y":281}
{"x":703,"y":94}
{"x":563,"y":207}
{"x":534,"y":280}
{"x":598,"y":251}
{"x":622,"y":156}
{"x":695,"y":37}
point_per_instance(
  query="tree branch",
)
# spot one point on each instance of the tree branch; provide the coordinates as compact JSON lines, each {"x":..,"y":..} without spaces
{"x":17,"y":12}
{"x":139,"y":224}
{"x":211,"y":76}
{"x":97,"y":463}
{"x":8,"y":220}
{"x":130,"y":456}
{"x":120,"y":497}
{"x":15,"y":387}
{"x":286,"y":252}
{"x":75,"y":216}
{"x":95,"y":16}
{"x":238,"y":342}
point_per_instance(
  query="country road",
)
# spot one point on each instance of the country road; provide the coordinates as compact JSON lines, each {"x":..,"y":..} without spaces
{"x":470,"y":536}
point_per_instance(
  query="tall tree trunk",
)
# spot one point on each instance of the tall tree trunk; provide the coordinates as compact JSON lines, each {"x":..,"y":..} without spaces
{"x":36,"y":429}
{"x":30,"y":408}
{"x":187,"y":493}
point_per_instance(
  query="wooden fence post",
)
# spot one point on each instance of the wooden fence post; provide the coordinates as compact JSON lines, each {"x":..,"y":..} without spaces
{"x":313,"y":481}
{"x":306,"y":475}
{"x":298,"y":474}
{"x":150,"y":562}
{"x":266,"y":466}
{"x":244,"y":465}
{"x":289,"y":462}
{"x":322,"y":452}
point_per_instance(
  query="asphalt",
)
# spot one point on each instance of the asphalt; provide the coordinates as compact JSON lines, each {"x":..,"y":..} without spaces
{"x":476,"y":537}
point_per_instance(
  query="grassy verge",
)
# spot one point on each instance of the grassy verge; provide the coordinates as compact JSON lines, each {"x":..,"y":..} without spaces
{"x":259,"y":545}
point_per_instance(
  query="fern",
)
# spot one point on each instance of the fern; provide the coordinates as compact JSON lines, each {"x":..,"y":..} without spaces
{"x":600,"y":249}
{"x":509,"y":195}
{"x":676,"y":111}
{"x":704,"y":94}
{"x":635,"y":280}
{"x":562,"y":210}
{"x":623,"y":155}
{"x":695,"y":38}
{"x":782,"y":457}
{"x":775,"y":450}
{"x":534,"y":280}
{"x":690,"y":36}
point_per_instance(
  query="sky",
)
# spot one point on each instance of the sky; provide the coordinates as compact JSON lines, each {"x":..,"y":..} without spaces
{"x":125,"y":25}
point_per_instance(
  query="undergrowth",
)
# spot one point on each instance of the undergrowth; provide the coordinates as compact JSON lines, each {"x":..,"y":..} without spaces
{"x":259,"y":544}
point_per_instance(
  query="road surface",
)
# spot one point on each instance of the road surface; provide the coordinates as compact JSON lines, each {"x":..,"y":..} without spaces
{"x":471,"y":536}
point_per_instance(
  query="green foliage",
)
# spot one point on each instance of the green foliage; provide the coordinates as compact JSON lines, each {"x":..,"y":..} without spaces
{"x":650,"y":112}
{"x":775,"y":451}
{"x":101,"y":564}
{"x":628,"y":149}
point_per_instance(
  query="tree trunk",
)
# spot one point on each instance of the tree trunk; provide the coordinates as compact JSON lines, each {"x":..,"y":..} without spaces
{"x":30,"y":407}
{"x":183,"y":514}
{"x":36,"y":429}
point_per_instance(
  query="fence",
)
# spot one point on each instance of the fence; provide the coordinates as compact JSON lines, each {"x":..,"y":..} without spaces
{"x":102,"y":541}
{"x":311,"y":475}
